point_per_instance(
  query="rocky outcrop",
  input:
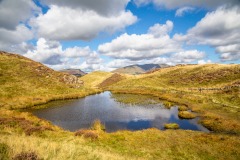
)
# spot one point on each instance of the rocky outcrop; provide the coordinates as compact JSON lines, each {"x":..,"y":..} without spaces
{"x":72,"y":80}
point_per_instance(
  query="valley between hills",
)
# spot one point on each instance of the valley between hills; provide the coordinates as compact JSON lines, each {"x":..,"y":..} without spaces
{"x":211,"y":91}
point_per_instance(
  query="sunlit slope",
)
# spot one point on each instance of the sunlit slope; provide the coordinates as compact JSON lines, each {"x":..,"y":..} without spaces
{"x":25,"y":82}
{"x":212,"y":90}
{"x":187,"y":77}
{"x":95,"y":78}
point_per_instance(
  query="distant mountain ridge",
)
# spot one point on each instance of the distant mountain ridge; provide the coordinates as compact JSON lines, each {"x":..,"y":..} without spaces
{"x":75,"y":72}
{"x":139,"y":69}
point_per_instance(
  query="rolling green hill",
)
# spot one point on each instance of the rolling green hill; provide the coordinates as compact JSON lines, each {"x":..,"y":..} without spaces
{"x":212,"y":90}
{"x":26,"y":83}
{"x":187,"y":76}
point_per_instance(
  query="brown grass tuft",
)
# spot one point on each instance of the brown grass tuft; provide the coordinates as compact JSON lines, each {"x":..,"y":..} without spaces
{"x":26,"y":156}
{"x":87,"y":134}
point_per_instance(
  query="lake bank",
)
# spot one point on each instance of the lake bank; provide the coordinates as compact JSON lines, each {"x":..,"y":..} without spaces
{"x":146,"y":113}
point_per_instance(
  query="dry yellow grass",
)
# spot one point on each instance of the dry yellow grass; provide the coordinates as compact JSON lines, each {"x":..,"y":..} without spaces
{"x":219,"y":111}
{"x":186,"y":115}
{"x":212,"y":90}
{"x":93,"y":79}
{"x":65,"y":148}
{"x":25,"y":83}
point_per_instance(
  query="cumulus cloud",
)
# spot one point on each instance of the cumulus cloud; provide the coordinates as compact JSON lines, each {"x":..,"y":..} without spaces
{"x":188,"y":56}
{"x":77,"y":52}
{"x":47,"y":52}
{"x":13,"y":31}
{"x":229,"y":52}
{"x":219,"y":29}
{"x":14,"y":11}
{"x":181,"y":11}
{"x":10,"y":38}
{"x":159,"y":30}
{"x":92,"y":63}
{"x":102,"y":7}
{"x":172,"y":4}
{"x":152,"y":44}
{"x":65,"y":23}
{"x":53,"y":55}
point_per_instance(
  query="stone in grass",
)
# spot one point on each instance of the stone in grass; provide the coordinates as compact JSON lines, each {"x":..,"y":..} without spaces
{"x":182,"y":108}
{"x":171,"y":126}
{"x":186,"y":115}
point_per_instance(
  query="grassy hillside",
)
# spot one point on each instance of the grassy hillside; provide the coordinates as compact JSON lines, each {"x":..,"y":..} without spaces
{"x":95,"y":78}
{"x":25,"y":83}
{"x":212,"y":90}
{"x":191,"y":76}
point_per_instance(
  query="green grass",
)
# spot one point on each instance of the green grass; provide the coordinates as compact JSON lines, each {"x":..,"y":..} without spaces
{"x":145,"y":144}
{"x":25,"y":83}
{"x":94,"y":79}
{"x":4,"y":151}
{"x":171,"y":144}
{"x":219,"y":97}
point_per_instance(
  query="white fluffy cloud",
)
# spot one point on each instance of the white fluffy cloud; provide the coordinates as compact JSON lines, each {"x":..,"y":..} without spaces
{"x":159,"y":30}
{"x":153,"y":44}
{"x":14,"y":11}
{"x":188,"y":56}
{"x":52,"y":54}
{"x":92,"y":63}
{"x":13,"y":31}
{"x":172,"y":4}
{"x":219,"y":29}
{"x":47,"y":52}
{"x":77,"y":52}
{"x":181,"y":11}
{"x":65,"y":23}
{"x":10,"y":38}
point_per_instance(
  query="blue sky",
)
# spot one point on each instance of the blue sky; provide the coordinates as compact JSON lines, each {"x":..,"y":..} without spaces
{"x":108,"y":34}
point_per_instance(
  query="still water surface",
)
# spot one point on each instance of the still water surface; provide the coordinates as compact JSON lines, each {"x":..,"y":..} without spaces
{"x":76,"y":114}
